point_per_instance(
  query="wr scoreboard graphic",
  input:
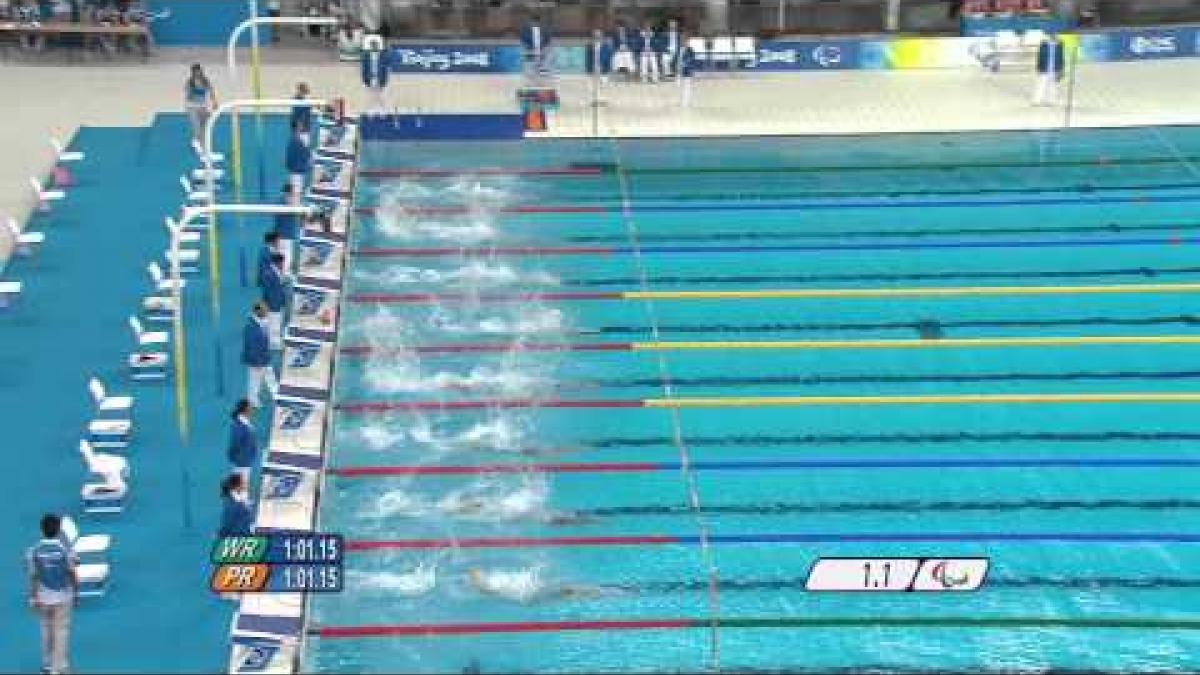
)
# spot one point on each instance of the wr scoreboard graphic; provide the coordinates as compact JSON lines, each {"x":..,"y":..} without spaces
{"x":301,"y":562}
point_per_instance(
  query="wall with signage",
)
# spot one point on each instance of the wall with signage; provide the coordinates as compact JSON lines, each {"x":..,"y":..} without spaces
{"x":808,"y":55}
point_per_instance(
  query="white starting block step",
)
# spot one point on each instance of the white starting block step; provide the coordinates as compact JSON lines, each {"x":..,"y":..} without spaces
{"x":148,"y":365}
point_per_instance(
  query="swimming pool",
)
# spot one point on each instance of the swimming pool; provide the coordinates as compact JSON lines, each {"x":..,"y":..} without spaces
{"x":669,"y":375}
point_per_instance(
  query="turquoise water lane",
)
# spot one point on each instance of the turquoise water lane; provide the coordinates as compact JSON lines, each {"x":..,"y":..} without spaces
{"x":588,"y":373}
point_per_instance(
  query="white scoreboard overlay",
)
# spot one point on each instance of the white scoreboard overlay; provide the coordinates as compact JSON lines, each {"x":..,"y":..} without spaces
{"x":897,"y":574}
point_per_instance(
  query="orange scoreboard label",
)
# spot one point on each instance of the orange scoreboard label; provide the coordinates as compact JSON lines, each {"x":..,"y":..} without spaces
{"x":240,"y":578}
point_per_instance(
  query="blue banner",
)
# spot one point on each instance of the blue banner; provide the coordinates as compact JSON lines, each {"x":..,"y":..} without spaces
{"x":455,"y":58}
{"x":1153,"y":43}
{"x":807,"y":55}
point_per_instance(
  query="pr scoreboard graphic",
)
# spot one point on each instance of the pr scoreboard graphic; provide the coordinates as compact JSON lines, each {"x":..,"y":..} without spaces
{"x":302,"y":562}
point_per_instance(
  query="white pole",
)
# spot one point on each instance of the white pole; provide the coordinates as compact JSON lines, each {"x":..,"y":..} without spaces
{"x":231,"y":105}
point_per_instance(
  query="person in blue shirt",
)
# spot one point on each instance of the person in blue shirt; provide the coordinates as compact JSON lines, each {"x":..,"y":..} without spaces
{"x":274,"y":289}
{"x":535,"y":43}
{"x":298,"y":160}
{"x":237,"y":515}
{"x":1051,"y":68}
{"x":269,"y":248}
{"x":622,"y":60}
{"x":243,"y":444}
{"x":53,"y":591}
{"x":600,"y":55}
{"x":668,"y":48}
{"x":287,"y":226}
{"x":256,"y":354}
{"x":647,"y":55}
{"x":375,"y":67}
{"x":685,"y":66}
{"x":302,"y":113}
{"x":637,"y":47}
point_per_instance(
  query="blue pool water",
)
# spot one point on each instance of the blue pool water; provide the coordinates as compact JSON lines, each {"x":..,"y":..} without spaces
{"x":704,"y":521}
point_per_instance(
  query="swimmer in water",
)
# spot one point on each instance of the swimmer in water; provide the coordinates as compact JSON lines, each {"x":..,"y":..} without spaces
{"x":524,"y":587}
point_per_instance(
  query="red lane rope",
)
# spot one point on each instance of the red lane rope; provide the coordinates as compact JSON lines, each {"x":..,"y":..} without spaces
{"x":523,"y":208}
{"x":502,"y":542}
{"x":563,"y":467}
{"x":494,"y":297}
{"x":384,"y":251}
{"x":385,"y":406}
{"x":485,"y":171}
{"x":382,"y":630}
{"x":366,"y":350}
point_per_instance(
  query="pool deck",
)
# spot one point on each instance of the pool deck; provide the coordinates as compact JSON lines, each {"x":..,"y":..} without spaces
{"x":56,"y":99}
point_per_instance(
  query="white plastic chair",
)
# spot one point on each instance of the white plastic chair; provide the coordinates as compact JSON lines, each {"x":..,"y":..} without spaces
{"x":92,"y":576}
{"x":217,"y":157}
{"x":185,"y":236}
{"x":160,"y":281}
{"x":146,"y":338}
{"x":45,"y":196}
{"x":201,"y":174}
{"x":23,"y":242}
{"x":106,"y":403}
{"x":63,"y":155}
{"x":111,"y":469}
{"x":199,"y":225}
{"x":9,"y":290}
{"x":87,"y":544}
{"x":193,"y":195}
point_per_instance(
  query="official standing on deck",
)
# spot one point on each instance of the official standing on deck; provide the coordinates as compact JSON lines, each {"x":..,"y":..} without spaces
{"x":243,"y":444}
{"x":1051,"y":68}
{"x":374,"y":66}
{"x":298,"y":160}
{"x":274,"y":289}
{"x":53,"y":590}
{"x":256,"y":355}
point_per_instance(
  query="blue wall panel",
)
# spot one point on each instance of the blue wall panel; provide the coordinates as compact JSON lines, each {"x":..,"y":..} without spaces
{"x":441,"y":127}
{"x":202,"y":22}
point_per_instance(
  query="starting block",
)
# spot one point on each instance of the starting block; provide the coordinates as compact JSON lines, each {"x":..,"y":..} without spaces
{"x":110,"y":433}
{"x":148,"y":365}
{"x":104,"y":497}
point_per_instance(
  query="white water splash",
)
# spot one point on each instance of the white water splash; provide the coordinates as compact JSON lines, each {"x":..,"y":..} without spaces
{"x":417,"y":581}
